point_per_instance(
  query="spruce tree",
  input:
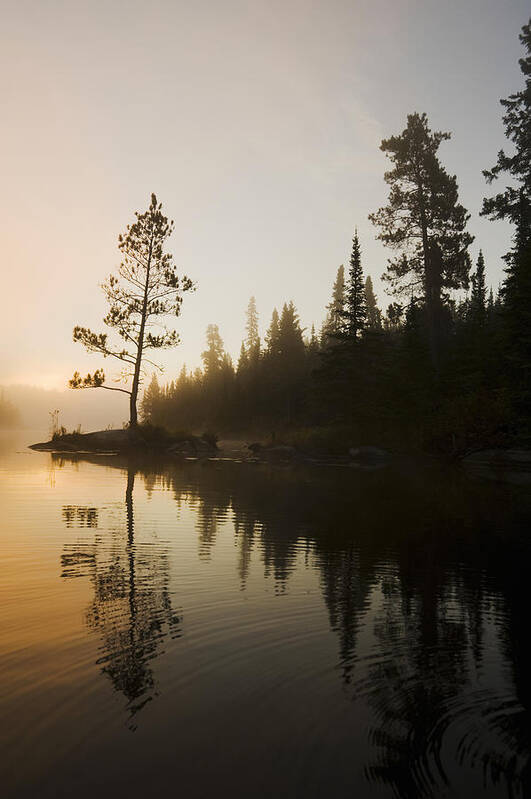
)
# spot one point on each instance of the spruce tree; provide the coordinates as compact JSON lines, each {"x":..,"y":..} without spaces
{"x":214,"y":354}
{"x":252,"y":340}
{"x":290,"y":341}
{"x":272,"y":335}
{"x":477,"y":306}
{"x":313,"y":341}
{"x":355,"y":313}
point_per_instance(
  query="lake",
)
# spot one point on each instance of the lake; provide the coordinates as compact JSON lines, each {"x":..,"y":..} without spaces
{"x":244,"y":630}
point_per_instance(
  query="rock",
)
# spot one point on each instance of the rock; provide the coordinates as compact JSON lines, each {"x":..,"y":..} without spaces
{"x":192,"y":447}
{"x":371,"y":455}
{"x":182,"y":448}
{"x":280,"y":453}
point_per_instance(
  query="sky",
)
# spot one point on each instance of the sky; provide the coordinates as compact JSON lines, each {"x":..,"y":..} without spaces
{"x":257,"y":124}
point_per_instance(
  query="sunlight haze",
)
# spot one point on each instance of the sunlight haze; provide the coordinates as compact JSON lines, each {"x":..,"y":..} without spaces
{"x":257,"y":125}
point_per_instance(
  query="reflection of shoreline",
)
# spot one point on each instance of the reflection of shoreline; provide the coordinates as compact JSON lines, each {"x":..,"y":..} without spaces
{"x":416,"y":552}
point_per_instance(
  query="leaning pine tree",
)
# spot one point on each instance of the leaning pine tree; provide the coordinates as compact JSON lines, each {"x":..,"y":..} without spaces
{"x":146,"y":289}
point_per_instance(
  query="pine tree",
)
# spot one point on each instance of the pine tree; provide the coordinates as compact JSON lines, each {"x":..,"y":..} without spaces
{"x":147,"y":288}
{"x":374,"y":315}
{"x":424,"y":222}
{"x":355,"y":313}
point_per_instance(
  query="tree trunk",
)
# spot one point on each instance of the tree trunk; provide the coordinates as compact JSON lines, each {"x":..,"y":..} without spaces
{"x":434,"y":303}
{"x":432,"y":282}
{"x":133,"y":416}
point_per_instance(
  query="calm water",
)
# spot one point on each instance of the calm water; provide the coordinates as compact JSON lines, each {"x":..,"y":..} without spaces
{"x":246,"y":631}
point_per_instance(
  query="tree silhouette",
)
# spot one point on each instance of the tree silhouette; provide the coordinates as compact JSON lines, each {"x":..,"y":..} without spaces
{"x":424,"y":222}
{"x":146,"y":289}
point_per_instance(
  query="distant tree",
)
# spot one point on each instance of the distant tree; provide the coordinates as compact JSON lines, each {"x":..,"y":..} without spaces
{"x":252,"y":339}
{"x":290,"y":341}
{"x":313,"y":341}
{"x":146,"y":289}
{"x":424,"y":222}
{"x":393,"y":316}
{"x":272,"y":334}
{"x":290,"y":363}
{"x":477,"y":306}
{"x":355,"y":313}
{"x":214,"y":354}
{"x":333,"y":323}
{"x":150,"y":399}
{"x":243,"y":360}
{"x":374,"y":315}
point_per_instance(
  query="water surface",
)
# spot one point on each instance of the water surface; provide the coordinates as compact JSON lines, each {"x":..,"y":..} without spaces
{"x":226,"y":629}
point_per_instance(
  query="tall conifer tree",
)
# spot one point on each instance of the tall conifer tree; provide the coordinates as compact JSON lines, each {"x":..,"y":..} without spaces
{"x":355,"y":313}
{"x":478,"y":297}
{"x":424,"y":222}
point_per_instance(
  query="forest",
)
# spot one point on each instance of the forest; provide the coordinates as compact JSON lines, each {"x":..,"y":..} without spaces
{"x":444,"y":368}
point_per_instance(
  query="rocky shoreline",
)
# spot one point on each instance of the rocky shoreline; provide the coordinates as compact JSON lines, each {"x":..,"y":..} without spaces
{"x":154,"y":442}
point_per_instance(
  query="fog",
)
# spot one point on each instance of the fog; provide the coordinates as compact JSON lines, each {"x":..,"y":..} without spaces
{"x":91,"y":409}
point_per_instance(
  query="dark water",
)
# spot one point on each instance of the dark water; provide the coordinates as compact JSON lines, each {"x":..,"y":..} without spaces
{"x":248,"y":631}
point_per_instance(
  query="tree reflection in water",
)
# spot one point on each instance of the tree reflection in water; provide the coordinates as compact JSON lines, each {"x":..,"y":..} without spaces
{"x":431,"y":567}
{"x":131,"y":609}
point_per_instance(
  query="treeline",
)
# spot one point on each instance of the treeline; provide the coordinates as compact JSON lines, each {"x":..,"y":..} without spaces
{"x":446,"y":367}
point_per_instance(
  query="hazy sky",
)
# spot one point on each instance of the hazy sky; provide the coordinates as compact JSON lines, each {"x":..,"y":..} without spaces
{"x":257,"y":124}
